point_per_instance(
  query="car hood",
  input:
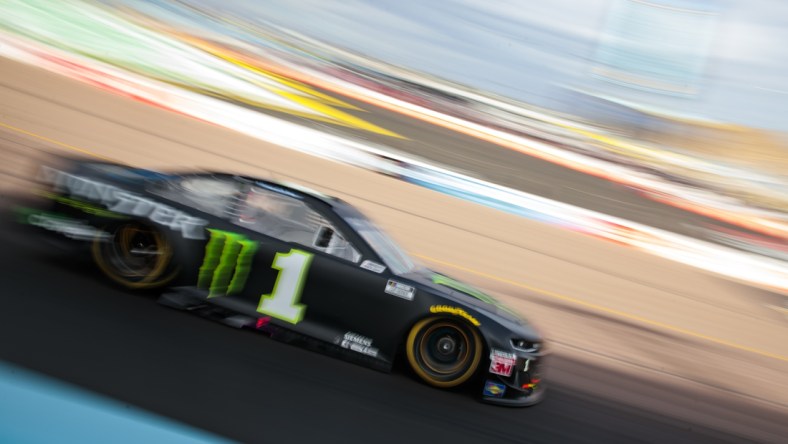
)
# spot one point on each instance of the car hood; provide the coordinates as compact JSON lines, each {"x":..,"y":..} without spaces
{"x":468,"y":295}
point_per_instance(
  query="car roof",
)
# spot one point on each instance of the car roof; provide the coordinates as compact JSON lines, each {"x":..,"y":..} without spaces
{"x":291,"y":189}
{"x":282,"y":187}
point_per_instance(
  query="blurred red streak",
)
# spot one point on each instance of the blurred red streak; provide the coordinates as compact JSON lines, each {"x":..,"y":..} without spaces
{"x":107,"y":82}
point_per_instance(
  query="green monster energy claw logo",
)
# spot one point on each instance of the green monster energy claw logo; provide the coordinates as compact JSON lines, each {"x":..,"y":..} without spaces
{"x":228,"y":260}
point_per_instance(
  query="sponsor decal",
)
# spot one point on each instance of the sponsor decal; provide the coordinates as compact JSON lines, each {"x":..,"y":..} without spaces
{"x":70,"y":228}
{"x":358,"y":343}
{"x":502,"y":363}
{"x":526,"y":364}
{"x":455,"y":311}
{"x":400,"y":290}
{"x":121,"y":201}
{"x":494,"y":389}
{"x":373,"y":266}
{"x":357,"y":338}
{"x":227,"y":263}
{"x":83,"y":206}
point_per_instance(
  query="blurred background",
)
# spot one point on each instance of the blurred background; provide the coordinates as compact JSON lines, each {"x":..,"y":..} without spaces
{"x":656,"y":126}
{"x":679,"y":101}
{"x":713,"y":61}
{"x":701,"y":75}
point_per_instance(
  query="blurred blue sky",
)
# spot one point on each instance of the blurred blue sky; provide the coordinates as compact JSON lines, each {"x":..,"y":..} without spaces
{"x":543,"y":52}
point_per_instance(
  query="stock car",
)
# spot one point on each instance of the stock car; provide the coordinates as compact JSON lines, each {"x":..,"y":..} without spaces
{"x":296,"y":264}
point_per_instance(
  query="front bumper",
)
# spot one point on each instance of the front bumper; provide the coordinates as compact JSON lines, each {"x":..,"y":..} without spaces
{"x":515,"y":399}
{"x":523,"y":386}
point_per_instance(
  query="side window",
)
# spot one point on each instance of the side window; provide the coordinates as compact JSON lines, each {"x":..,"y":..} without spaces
{"x":213,"y":195}
{"x":332,"y":242}
{"x":291,"y":220}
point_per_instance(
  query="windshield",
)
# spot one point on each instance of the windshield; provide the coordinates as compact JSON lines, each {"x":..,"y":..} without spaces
{"x":392,"y":255}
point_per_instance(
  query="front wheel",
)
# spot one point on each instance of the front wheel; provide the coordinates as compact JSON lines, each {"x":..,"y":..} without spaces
{"x":134,"y":255}
{"x":443,"y":352}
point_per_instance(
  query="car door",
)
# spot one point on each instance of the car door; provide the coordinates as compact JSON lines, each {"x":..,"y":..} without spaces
{"x":350,"y":306}
{"x":252,"y":262}
{"x":280,"y":260}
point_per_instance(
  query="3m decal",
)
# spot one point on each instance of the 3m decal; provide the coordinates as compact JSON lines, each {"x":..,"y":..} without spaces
{"x":226,"y":267}
{"x":400,"y":290}
{"x":494,"y":389}
{"x":502,"y":363}
{"x":455,"y":311}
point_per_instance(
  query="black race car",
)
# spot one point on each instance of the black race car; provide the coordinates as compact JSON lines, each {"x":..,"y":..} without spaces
{"x":294,"y":263}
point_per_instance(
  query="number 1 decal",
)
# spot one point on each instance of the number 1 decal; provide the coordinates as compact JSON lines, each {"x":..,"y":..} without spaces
{"x":226,"y":267}
{"x":282,"y":303}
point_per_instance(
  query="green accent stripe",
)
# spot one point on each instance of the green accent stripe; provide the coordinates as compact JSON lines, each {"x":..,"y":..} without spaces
{"x":83,"y":206}
{"x":470,"y":291}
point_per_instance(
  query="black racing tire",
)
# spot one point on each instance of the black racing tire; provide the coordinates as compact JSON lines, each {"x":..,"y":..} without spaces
{"x":444,"y":352}
{"x":135,"y":255}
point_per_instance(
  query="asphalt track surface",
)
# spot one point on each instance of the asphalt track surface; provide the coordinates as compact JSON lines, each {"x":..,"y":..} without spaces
{"x":614,"y":375}
{"x":60,"y":318}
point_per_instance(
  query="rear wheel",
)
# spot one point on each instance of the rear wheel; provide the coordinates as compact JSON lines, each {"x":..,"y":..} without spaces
{"x":444,"y":352}
{"x":134,"y":255}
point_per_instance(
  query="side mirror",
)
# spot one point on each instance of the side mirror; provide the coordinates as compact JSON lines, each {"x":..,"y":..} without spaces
{"x":323,"y":238}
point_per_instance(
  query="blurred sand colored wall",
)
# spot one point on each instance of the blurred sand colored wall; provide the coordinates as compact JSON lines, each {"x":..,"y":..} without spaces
{"x":750,"y":148}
